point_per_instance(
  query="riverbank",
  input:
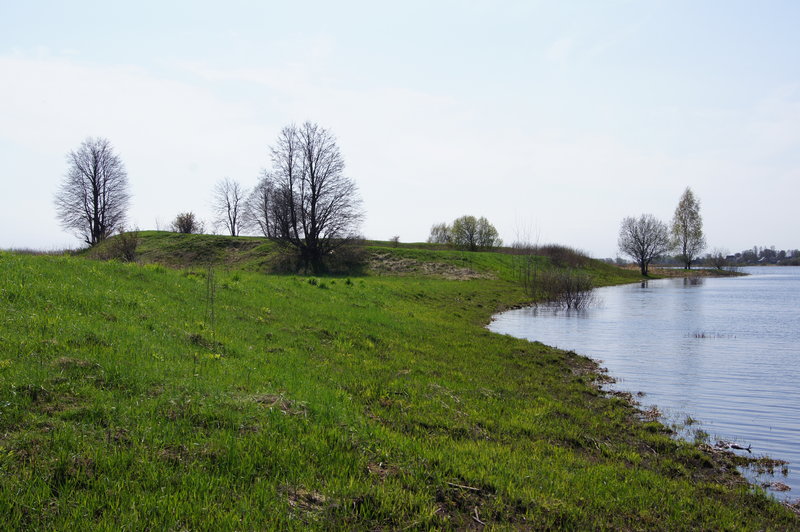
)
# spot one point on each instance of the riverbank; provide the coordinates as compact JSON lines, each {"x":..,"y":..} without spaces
{"x":694,"y":272}
{"x":139,"y":396}
{"x":710,"y":347}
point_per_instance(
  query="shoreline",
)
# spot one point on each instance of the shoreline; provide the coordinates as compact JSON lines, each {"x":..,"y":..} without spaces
{"x":754,"y":469}
{"x":679,"y":272}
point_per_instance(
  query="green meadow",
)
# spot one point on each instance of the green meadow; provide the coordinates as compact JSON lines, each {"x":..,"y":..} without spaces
{"x":192,"y":391}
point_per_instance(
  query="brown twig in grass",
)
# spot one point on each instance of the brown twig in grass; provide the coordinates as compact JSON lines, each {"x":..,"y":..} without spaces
{"x":463,"y":487}
{"x":477,"y":518}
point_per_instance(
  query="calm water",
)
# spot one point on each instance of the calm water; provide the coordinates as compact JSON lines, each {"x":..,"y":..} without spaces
{"x":724,"y":351}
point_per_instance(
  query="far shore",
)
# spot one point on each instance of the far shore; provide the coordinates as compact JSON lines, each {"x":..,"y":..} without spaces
{"x":657,"y":272}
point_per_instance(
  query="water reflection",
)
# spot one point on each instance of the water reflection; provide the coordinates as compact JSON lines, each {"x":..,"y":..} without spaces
{"x":694,"y":281}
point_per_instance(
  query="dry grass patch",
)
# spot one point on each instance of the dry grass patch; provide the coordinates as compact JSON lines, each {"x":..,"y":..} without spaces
{"x":282,"y":403}
{"x":387,"y":264}
{"x":306,"y":500}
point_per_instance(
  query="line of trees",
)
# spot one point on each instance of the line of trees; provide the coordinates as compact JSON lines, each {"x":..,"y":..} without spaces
{"x":304,"y":200}
{"x":757,"y":255}
{"x":466,"y":232}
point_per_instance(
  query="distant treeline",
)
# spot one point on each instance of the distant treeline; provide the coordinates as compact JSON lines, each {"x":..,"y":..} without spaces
{"x":718,"y":258}
{"x":765,"y":255}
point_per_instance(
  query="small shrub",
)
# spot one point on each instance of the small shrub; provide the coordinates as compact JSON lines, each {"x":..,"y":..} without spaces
{"x":350,"y":259}
{"x":123,"y":245}
{"x":187,"y":223}
{"x":284,"y":260}
{"x":566,"y":289}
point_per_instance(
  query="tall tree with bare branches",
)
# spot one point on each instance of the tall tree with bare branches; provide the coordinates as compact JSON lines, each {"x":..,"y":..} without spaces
{"x":93,"y":198}
{"x":318,"y":209}
{"x":229,"y":204}
{"x":265,"y":210}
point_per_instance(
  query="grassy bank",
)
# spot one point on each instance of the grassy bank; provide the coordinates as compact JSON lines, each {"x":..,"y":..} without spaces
{"x":136,"y":396}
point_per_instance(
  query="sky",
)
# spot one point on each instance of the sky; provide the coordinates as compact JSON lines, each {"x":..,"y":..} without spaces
{"x":554,"y":120}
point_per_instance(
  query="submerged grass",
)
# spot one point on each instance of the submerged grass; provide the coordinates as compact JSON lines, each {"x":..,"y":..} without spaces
{"x":376,"y":402}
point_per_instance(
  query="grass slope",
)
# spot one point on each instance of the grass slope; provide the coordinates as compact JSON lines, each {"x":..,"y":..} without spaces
{"x":376,"y":402}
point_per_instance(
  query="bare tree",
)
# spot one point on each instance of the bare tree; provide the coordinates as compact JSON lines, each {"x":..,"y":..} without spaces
{"x":718,"y":258}
{"x":187,"y":222}
{"x":317,"y":207}
{"x":266,"y":210}
{"x":643,"y":239}
{"x":687,"y":229}
{"x":228,"y":205}
{"x":94,"y":195}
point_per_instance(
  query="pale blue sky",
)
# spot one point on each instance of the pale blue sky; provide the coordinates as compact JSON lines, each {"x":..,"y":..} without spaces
{"x":555,"y":119}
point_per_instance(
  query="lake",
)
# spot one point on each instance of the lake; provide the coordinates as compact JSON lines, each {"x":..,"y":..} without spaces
{"x":723,"y":351}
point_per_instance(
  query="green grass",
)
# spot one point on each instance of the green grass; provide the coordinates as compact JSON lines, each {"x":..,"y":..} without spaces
{"x":369,"y":402}
{"x":184,"y":250}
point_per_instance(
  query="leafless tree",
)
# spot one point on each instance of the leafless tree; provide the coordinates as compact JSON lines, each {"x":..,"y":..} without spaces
{"x":643,"y":239}
{"x":228,"y":205}
{"x":317,"y":208}
{"x":718,"y":258}
{"x":94,"y":195}
{"x":266,"y":209}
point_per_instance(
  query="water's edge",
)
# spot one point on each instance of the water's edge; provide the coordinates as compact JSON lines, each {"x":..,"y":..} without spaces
{"x":691,"y":424}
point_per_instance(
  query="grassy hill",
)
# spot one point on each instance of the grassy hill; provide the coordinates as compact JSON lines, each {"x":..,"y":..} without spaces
{"x":218,"y":398}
